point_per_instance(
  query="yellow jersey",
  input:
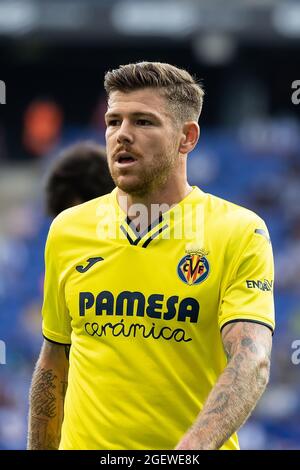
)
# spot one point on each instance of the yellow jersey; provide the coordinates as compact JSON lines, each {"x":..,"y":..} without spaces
{"x":143,"y":313}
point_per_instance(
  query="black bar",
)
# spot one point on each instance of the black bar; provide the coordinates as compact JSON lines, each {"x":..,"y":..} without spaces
{"x":134,"y":459}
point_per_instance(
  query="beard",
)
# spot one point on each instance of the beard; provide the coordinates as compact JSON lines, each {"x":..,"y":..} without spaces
{"x":145,"y":179}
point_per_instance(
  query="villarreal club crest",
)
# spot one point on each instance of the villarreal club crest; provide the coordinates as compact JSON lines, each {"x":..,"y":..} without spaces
{"x":193,"y":268}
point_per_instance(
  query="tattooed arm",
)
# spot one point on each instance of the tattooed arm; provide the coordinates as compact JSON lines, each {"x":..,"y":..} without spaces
{"x":239,"y":387}
{"x":47,"y":395}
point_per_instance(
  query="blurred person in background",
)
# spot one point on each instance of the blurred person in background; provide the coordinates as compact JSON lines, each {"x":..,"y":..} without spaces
{"x":164,"y":382}
{"x":79,"y":174}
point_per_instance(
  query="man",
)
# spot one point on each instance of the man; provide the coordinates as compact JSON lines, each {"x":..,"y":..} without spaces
{"x":150,"y":314}
{"x":79,"y":174}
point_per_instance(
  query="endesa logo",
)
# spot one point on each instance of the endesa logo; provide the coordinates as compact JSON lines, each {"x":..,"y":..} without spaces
{"x":264,"y":285}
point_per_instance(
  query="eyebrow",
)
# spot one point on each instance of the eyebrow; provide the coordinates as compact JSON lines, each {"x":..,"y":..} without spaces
{"x":136,"y":114}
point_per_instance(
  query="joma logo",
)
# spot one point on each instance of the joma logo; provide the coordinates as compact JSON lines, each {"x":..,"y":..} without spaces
{"x":2,"y":92}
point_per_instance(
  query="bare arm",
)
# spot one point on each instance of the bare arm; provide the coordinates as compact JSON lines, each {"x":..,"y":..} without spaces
{"x":47,"y":395}
{"x":239,"y":387}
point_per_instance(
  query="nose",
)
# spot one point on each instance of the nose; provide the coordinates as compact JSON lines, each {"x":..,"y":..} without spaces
{"x":125,"y":134}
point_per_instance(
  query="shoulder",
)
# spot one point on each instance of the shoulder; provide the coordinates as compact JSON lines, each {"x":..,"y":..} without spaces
{"x":77,"y":217}
{"x":235,"y":227}
{"x":231,"y":215}
{"x":72,"y":231}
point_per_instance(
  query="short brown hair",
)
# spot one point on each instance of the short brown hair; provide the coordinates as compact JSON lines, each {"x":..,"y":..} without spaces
{"x":79,"y":173}
{"x":182,"y":92}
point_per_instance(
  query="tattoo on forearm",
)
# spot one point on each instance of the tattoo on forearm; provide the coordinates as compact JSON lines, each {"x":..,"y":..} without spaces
{"x":37,"y":434}
{"x":67,"y":351}
{"x":40,"y":437}
{"x":249,"y":343}
{"x":47,"y":395}
{"x":248,"y":349}
{"x":228,"y":350}
{"x":52,"y":441}
{"x":221,"y":401}
{"x":42,"y":397}
{"x":64,"y":385}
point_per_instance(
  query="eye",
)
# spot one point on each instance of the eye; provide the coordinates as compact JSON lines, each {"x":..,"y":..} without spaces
{"x":113,"y":122}
{"x":143,"y":122}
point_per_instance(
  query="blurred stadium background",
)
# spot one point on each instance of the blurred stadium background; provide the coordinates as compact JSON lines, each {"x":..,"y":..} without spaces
{"x":53,"y":55}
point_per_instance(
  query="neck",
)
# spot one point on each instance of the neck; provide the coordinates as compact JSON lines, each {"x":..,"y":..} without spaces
{"x":170,"y":194}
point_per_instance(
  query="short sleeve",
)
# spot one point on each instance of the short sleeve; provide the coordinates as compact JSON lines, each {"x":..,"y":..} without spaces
{"x":56,"y":318}
{"x":248,"y":294}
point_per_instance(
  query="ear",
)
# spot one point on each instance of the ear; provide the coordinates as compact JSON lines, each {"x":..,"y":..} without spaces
{"x":190,"y":137}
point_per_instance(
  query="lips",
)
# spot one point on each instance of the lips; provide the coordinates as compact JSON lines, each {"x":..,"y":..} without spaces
{"x":125,"y":159}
